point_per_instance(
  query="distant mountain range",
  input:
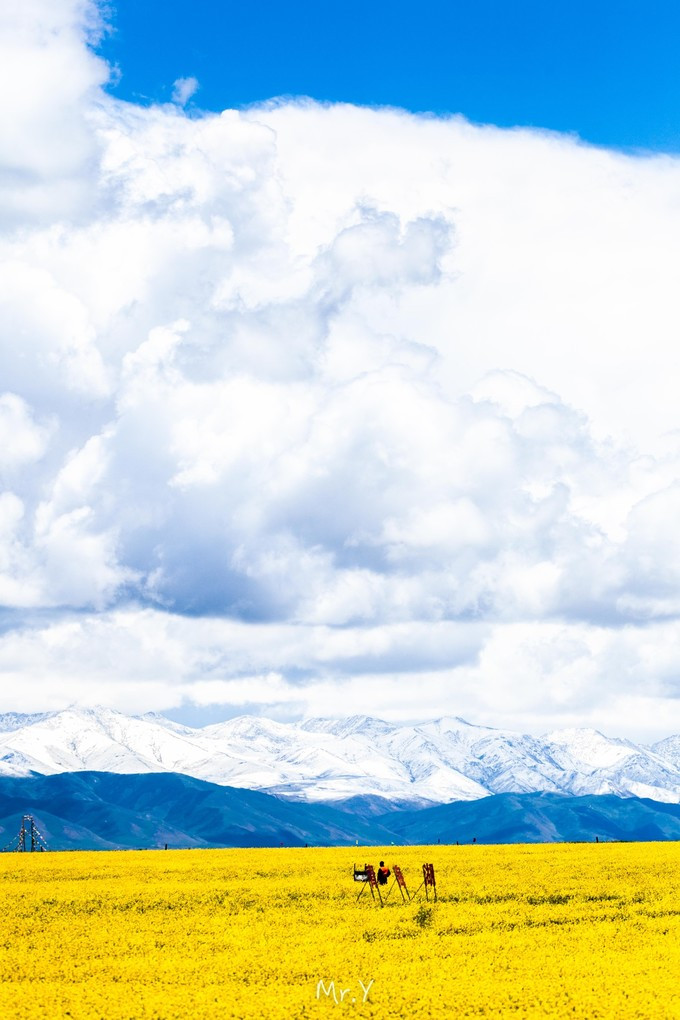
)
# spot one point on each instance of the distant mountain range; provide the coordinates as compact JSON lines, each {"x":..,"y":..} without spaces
{"x":326,"y":760}
{"x":94,"y":810}
{"x":101,"y":810}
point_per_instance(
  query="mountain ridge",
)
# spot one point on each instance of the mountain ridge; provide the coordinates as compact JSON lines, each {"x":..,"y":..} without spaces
{"x":324,"y":760}
{"x":105,"y":811}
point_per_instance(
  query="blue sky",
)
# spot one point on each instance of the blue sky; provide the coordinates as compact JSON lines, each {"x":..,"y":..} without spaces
{"x":605,"y":69}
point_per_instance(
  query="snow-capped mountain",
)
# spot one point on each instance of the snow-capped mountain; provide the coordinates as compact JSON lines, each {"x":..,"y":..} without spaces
{"x":331,"y":760}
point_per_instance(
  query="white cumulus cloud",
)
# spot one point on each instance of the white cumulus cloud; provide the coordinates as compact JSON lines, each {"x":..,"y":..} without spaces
{"x":309,"y":408}
{"x":183,"y":89}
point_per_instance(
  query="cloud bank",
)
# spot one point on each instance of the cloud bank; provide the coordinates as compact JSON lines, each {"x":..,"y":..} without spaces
{"x":323,"y":409}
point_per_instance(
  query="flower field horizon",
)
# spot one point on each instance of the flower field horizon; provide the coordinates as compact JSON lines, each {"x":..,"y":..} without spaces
{"x":578,"y":930}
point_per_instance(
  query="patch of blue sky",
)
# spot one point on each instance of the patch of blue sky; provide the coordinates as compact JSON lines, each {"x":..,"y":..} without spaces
{"x":606,"y":70}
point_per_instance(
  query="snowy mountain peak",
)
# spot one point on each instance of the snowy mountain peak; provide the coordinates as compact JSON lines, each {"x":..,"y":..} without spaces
{"x":10,"y":721}
{"x":456,"y":724}
{"x":162,"y":720}
{"x":587,"y":749}
{"x":330,"y":759}
{"x":453,"y":721}
{"x":355,"y":724}
{"x":575,"y":734}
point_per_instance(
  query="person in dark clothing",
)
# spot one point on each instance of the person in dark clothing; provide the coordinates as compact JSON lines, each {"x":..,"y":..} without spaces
{"x":383,"y":874}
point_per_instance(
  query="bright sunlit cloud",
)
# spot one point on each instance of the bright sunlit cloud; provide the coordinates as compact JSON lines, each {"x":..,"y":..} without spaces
{"x":323,"y":409}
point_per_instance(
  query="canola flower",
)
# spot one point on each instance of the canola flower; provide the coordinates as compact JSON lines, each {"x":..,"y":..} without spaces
{"x":587,"y":930}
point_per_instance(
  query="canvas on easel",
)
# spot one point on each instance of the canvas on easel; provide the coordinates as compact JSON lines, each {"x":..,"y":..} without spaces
{"x":428,"y":882}
{"x":370,"y":880}
{"x":399,"y":881}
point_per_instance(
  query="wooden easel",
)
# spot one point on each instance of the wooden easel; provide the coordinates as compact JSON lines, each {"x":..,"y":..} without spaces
{"x":428,"y":882}
{"x":400,"y":881}
{"x":371,"y":882}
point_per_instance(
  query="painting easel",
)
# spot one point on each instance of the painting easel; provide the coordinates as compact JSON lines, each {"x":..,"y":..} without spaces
{"x":367,"y":876}
{"x":399,"y":881}
{"x":428,"y":882}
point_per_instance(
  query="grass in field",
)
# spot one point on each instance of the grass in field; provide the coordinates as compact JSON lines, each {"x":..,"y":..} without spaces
{"x":554,"y":930}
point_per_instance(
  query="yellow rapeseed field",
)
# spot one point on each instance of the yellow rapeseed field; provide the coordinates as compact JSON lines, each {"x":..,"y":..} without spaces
{"x":553,"y":930}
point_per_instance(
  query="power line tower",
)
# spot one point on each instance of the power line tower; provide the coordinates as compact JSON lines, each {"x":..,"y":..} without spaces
{"x":30,"y":839}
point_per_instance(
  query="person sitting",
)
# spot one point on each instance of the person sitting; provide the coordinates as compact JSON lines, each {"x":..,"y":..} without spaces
{"x":383,"y":874}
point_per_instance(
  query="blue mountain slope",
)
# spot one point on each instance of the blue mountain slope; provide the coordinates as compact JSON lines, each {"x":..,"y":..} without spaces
{"x":92,"y":809}
{"x":539,"y":818}
{"x":103,"y":810}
